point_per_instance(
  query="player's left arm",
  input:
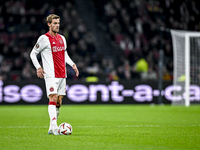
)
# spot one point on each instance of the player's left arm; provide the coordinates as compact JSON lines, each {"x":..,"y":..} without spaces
{"x":71,"y":63}
{"x":68,"y":60}
{"x":75,"y":69}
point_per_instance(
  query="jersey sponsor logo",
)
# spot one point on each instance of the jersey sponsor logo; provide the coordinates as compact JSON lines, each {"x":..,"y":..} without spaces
{"x":58,"y":48}
{"x":37,"y":46}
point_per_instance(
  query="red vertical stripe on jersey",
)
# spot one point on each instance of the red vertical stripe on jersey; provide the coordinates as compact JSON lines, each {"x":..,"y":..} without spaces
{"x":58,"y":53}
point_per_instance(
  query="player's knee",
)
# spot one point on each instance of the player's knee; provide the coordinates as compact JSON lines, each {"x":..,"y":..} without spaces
{"x":53,"y":98}
{"x":58,"y":104}
{"x":59,"y":101}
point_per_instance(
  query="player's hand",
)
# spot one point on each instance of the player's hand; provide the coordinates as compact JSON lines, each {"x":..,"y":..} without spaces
{"x":75,"y":69}
{"x":40,"y":73}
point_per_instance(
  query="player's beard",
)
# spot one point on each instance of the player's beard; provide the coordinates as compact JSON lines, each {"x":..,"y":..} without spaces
{"x":55,"y":30}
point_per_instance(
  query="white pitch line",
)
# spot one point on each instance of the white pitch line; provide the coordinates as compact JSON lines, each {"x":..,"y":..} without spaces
{"x":136,"y":126}
{"x":23,"y":126}
{"x":119,"y":126}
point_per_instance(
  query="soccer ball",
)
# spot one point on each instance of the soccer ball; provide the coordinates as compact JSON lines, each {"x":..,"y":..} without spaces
{"x":65,"y":128}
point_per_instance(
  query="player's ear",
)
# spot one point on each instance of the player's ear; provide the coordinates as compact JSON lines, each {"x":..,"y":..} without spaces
{"x":48,"y":24}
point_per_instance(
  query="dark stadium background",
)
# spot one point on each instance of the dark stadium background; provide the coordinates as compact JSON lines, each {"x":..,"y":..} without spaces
{"x":106,"y":38}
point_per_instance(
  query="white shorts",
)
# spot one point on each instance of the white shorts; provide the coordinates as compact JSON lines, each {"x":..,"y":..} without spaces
{"x":55,"y":86}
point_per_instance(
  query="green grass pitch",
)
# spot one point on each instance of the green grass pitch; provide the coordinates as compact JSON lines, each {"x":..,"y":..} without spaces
{"x":102,"y":127}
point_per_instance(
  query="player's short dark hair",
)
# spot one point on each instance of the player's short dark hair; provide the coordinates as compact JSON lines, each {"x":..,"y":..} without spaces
{"x":51,"y":17}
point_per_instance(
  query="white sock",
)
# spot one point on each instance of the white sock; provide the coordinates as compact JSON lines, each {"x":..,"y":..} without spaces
{"x":52,"y":114}
{"x":57,"y":111}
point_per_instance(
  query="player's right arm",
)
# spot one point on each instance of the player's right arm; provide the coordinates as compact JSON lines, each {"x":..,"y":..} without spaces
{"x":39,"y":46}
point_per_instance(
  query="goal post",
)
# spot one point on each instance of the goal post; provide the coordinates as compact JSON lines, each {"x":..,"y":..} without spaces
{"x":186,"y":49}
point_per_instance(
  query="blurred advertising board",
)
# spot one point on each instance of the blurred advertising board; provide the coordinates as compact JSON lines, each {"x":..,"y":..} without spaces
{"x":115,"y":92}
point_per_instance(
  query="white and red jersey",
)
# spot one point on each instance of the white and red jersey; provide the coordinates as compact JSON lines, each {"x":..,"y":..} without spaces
{"x":53,"y":53}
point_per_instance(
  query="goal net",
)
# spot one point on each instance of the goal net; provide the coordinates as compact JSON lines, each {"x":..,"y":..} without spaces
{"x":186,"y":82}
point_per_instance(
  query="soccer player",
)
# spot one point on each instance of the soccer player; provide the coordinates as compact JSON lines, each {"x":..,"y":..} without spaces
{"x":52,"y":47}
